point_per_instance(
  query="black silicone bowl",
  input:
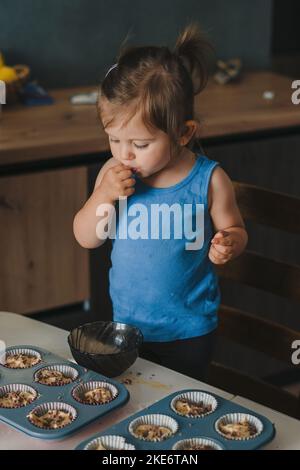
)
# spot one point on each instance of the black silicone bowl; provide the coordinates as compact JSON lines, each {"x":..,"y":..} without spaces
{"x":108,"y":348}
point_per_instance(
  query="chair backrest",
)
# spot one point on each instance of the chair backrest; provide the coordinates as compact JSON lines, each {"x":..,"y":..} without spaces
{"x":267,"y":207}
{"x":274,"y":210}
{"x":280,"y":211}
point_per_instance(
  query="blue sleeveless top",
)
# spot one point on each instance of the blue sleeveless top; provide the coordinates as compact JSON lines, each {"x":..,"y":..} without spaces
{"x":167,"y":290}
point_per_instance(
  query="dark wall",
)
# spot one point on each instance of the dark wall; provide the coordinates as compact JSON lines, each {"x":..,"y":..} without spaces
{"x":286,"y":27}
{"x":72,"y":42}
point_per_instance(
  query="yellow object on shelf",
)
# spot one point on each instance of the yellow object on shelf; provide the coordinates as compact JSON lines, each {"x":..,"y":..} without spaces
{"x":14,"y":77}
{"x":8,"y":74}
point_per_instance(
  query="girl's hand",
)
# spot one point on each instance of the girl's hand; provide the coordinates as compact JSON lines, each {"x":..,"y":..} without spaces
{"x":222,"y":247}
{"x":117,"y":181}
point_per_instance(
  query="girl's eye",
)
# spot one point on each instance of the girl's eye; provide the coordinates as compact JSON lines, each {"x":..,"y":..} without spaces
{"x":137,"y":146}
{"x":141,"y":146}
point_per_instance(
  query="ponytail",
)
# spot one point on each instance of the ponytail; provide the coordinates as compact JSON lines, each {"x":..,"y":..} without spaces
{"x":194,"y":50}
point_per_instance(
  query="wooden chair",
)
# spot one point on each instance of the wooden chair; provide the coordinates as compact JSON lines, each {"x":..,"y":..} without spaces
{"x":278,"y":211}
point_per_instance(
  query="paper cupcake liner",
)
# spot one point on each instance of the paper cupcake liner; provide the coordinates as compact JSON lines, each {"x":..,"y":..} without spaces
{"x":156,"y":420}
{"x":236,"y":418}
{"x":17,"y":388}
{"x":110,"y":443}
{"x":68,"y":371}
{"x":14,"y":351}
{"x":182,"y":445}
{"x":195,"y":397}
{"x":42,"y":409}
{"x":79,"y":390}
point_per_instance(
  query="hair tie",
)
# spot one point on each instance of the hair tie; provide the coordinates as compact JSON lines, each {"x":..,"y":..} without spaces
{"x":110,"y":69}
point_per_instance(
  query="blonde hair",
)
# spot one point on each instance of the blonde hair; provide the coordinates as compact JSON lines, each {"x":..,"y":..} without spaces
{"x":159,"y":82}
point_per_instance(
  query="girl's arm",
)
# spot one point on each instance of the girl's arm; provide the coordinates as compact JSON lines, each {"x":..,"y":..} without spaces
{"x":231,"y":237}
{"x":85,"y":221}
{"x":113,"y":180}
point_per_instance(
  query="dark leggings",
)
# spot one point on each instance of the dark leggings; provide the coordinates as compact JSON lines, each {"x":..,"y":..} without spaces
{"x":188,"y":356}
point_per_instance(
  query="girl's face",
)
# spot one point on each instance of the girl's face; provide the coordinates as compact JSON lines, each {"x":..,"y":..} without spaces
{"x":132,"y":144}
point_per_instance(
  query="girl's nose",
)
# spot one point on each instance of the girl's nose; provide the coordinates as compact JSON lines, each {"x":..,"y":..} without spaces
{"x":127,"y":155}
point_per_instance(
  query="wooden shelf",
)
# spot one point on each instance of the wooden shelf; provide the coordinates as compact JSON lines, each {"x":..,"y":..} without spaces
{"x":62,"y":129}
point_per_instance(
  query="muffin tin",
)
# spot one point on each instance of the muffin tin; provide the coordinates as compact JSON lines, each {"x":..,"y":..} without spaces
{"x":190,"y":427}
{"x":56,"y":395}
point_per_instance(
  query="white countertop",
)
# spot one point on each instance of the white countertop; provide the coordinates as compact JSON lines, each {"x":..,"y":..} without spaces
{"x":150,"y":382}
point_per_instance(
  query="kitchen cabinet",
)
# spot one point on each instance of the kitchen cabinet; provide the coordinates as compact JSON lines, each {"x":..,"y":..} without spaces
{"x":42,"y":266}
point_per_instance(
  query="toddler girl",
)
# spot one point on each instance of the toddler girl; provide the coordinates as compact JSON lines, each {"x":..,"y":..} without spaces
{"x":171,"y":212}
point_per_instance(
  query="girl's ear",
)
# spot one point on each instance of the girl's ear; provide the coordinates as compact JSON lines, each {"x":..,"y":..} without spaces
{"x":190,"y":129}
